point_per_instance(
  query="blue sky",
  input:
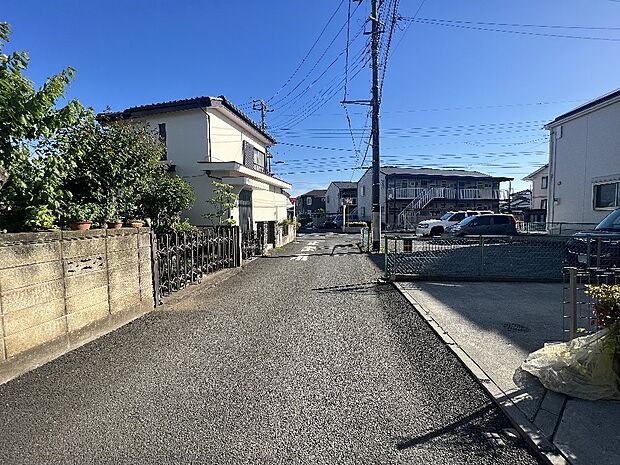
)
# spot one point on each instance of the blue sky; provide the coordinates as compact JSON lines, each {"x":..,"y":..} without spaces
{"x":454,"y":95}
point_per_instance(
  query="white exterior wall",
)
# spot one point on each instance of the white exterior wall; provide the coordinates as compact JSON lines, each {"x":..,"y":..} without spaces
{"x":227,"y":138}
{"x":187,"y":133}
{"x":365,"y":201}
{"x":186,"y":144}
{"x":586,"y":150}
{"x":268,"y":206}
{"x":538,"y":193}
{"x":332,"y":199}
{"x":364,"y":196}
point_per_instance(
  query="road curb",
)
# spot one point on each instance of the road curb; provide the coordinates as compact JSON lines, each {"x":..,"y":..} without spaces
{"x":543,"y":447}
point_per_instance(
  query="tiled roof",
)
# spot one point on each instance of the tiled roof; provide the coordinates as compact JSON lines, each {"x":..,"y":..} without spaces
{"x":387,"y":170}
{"x":185,"y":104}
{"x":345,"y":184}
{"x":315,"y":193}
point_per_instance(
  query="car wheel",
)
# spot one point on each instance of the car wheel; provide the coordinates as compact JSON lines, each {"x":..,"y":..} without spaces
{"x":436,"y":231}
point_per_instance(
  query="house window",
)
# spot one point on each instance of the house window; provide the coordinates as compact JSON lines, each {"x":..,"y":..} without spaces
{"x":363,"y":211}
{"x":606,"y":195}
{"x":403,"y":184}
{"x":543,"y":204}
{"x":162,"y":139}
{"x":308,"y":201}
{"x":259,"y":160}
{"x":363,"y":191}
{"x":544,"y":182}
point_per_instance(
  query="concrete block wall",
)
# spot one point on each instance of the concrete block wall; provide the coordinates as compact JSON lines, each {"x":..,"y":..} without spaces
{"x":59,"y":290}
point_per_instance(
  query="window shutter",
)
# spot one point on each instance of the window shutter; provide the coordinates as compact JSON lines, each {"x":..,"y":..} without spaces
{"x":248,"y":154}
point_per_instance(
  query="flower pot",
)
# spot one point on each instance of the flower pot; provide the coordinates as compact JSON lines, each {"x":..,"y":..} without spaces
{"x":115,"y":224}
{"x":136,"y":224}
{"x":81,"y":225}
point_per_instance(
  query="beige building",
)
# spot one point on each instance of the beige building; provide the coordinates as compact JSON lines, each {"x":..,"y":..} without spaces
{"x":209,"y":139}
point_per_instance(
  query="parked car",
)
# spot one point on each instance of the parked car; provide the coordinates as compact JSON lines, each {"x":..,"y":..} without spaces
{"x":436,"y":227}
{"x":599,"y":247}
{"x":486,"y":225}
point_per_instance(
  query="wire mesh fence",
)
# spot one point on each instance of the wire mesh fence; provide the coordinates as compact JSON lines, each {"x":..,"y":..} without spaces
{"x":519,"y":258}
{"x":578,"y":307}
{"x":365,"y":240}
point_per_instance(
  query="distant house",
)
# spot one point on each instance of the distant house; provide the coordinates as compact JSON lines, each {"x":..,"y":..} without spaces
{"x":540,"y":194}
{"x":408,"y":195}
{"x":209,"y":139}
{"x":310,"y":202}
{"x":340,"y":192}
{"x":519,"y":202}
{"x":584,"y":162}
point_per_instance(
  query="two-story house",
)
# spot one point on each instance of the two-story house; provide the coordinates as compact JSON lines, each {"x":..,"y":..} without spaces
{"x":310,"y":202}
{"x":584,"y":162}
{"x":409,"y":195}
{"x":540,"y":194}
{"x":209,"y":139}
{"x":339,"y":193}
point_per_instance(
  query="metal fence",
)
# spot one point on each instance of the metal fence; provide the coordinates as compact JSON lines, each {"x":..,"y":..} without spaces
{"x":518,"y":258}
{"x":252,"y":244}
{"x":579,"y":316}
{"x":181,"y":259}
{"x":553,"y":228}
{"x":365,"y":240}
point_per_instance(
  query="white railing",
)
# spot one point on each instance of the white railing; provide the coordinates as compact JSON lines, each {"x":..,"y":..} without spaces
{"x":482,"y":194}
{"x":406,"y":192}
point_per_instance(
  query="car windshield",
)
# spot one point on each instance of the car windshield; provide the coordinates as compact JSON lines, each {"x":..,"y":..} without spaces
{"x":610,"y":223}
{"x":467,"y":220}
{"x":446,"y":216}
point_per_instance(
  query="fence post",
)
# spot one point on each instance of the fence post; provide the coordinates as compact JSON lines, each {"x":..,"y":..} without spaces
{"x":155,"y":269}
{"x":481,"y":245}
{"x":385,"y":256}
{"x":572,"y":283}
{"x":598,"y":252}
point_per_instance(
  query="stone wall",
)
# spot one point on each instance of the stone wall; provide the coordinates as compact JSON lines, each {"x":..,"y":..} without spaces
{"x":59,"y":290}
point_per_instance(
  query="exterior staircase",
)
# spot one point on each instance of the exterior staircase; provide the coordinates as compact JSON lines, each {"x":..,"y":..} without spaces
{"x":408,"y":217}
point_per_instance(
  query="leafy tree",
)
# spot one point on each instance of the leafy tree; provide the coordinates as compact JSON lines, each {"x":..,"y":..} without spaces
{"x":30,"y":122}
{"x":223,"y":200}
{"x":118,"y":167}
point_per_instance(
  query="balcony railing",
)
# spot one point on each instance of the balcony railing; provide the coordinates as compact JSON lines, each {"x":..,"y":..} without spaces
{"x":404,"y":193}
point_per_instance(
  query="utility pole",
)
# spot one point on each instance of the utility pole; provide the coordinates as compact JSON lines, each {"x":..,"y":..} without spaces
{"x":261,"y":105}
{"x":374,"y":103}
{"x":376,"y":162}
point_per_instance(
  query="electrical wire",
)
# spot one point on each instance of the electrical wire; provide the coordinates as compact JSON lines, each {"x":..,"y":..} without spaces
{"x":507,"y":31}
{"x":333,"y":15}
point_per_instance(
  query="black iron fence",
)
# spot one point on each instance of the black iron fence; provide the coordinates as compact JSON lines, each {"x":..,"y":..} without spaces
{"x":252,"y":244}
{"x":181,"y":259}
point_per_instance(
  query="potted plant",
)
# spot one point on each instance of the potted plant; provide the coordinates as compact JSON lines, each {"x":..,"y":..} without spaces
{"x":136,"y":223}
{"x":113,"y":220}
{"x":81,"y":216}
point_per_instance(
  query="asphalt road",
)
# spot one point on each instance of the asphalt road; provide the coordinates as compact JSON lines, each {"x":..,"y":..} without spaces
{"x":300,"y":358}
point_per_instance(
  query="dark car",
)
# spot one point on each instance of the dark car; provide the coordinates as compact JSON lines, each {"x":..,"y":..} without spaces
{"x":485,"y":225}
{"x":599,"y":247}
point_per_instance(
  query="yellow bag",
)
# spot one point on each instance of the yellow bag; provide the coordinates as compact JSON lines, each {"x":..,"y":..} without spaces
{"x":583,"y":367}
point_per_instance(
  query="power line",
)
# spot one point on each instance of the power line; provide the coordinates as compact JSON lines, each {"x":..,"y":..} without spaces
{"x":471,"y":107}
{"x":546,"y":26}
{"x":315,"y":64}
{"x":309,"y":52}
{"x":358,"y":59}
{"x":507,"y":31}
